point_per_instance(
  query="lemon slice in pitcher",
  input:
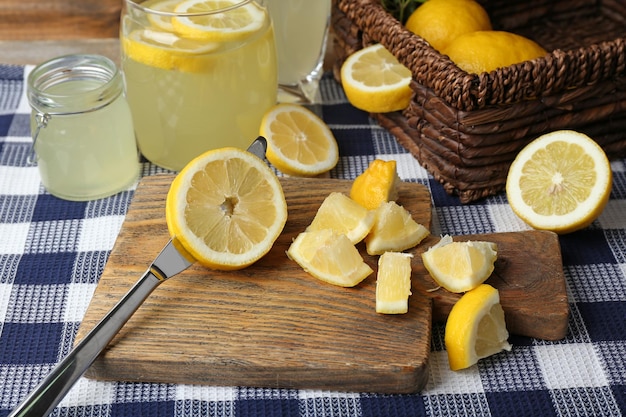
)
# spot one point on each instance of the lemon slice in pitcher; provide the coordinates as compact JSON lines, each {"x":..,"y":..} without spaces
{"x":235,"y":21}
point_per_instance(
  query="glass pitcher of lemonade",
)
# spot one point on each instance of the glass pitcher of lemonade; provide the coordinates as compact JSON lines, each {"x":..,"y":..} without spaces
{"x":199,"y":75}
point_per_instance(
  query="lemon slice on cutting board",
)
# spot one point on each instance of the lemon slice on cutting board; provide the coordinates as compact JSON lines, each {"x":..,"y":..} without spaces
{"x":376,"y":185}
{"x":393,"y":283}
{"x":340,"y":213}
{"x":227,"y":208}
{"x":460,"y":266}
{"x":475,"y":328}
{"x":560,"y":182}
{"x":329,"y":257}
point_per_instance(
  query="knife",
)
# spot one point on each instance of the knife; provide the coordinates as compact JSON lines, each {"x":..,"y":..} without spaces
{"x":172,"y":260}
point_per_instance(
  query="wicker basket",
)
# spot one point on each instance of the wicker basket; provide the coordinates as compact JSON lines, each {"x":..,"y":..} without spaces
{"x":466,"y":129}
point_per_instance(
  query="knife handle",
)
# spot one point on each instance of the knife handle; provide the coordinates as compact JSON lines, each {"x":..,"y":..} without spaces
{"x":51,"y":390}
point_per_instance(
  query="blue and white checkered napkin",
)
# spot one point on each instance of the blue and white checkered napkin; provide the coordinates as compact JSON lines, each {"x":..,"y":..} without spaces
{"x":52,"y":253}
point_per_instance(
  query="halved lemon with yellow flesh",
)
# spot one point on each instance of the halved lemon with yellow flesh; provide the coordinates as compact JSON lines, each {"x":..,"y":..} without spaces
{"x":475,"y":328}
{"x":226,"y":207}
{"x":376,"y":185}
{"x":161,"y":21}
{"x":329,"y":257}
{"x":460,"y":266}
{"x":394,"y":230}
{"x":393,"y":283}
{"x":218,"y":20}
{"x":299,"y":143}
{"x":561,"y":182}
{"x":340,"y":213}
{"x":375,"y":81}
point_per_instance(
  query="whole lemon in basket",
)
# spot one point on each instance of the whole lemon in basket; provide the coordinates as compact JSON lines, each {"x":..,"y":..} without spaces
{"x":485,"y":51}
{"x":441,"y":21}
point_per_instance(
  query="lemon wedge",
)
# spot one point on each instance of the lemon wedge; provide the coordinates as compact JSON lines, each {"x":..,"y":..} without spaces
{"x":376,"y":185}
{"x":394,"y":230}
{"x":329,"y":257}
{"x":393,"y":283}
{"x":460,"y":266}
{"x":475,"y":328}
{"x":340,"y":213}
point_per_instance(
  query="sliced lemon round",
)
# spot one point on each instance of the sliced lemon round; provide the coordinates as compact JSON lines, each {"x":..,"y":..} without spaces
{"x":475,"y":328}
{"x":329,"y":257}
{"x":561,"y":182}
{"x":299,"y":143}
{"x":218,"y":20}
{"x":375,"y":81}
{"x":393,"y":283}
{"x":460,"y":266}
{"x":168,"y":51}
{"x":161,"y":21}
{"x":340,"y":213}
{"x":376,"y":185}
{"x":227,"y":208}
{"x":394,"y":230}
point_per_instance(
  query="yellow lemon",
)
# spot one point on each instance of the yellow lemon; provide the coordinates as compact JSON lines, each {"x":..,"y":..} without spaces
{"x":375,"y":81}
{"x":329,"y":257}
{"x":441,"y":21}
{"x":394,"y":230}
{"x":226,"y":207}
{"x":167,"y":50}
{"x":299,"y":143}
{"x":340,"y":213}
{"x":393,"y":283}
{"x":204,"y":22}
{"x":161,"y":21}
{"x":561,"y":182}
{"x":376,"y":185}
{"x":460,"y":266}
{"x":475,"y":328}
{"x":485,"y":51}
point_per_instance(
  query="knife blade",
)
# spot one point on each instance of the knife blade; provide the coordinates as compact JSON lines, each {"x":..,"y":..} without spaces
{"x":172,"y":260}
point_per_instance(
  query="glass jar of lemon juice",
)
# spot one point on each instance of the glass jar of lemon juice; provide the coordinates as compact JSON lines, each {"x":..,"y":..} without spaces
{"x":83,"y":138}
{"x":199,"y":75}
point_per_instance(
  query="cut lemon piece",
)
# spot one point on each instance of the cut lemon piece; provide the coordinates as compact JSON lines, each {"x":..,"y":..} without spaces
{"x":475,"y":328}
{"x":376,"y":185}
{"x":219,"y":20}
{"x":299,"y":143}
{"x":330,"y":257}
{"x":161,"y":22}
{"x":393,"y":283}
{"x":168,"y":51}
{"x":394,"y":230}
{"x":374,"y":80}
{"x":226,"y":207}
{"x":340,"y":213}
{"x":460,"y":266}
{"x":561,"y":182}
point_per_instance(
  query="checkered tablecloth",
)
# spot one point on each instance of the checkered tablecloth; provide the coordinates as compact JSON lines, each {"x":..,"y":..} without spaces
{"x":52,"y":253}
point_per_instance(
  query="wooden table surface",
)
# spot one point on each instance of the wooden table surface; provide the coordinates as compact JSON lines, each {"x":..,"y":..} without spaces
{"x":22,"y":52}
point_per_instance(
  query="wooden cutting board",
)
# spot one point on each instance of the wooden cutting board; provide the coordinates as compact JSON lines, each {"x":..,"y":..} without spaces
{"x":273,"y":325}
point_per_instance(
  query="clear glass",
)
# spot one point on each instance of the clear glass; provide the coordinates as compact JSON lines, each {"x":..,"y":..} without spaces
{"x":189,"y":89}
{"x":83,"y":138}
{"x":301,"y":28}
